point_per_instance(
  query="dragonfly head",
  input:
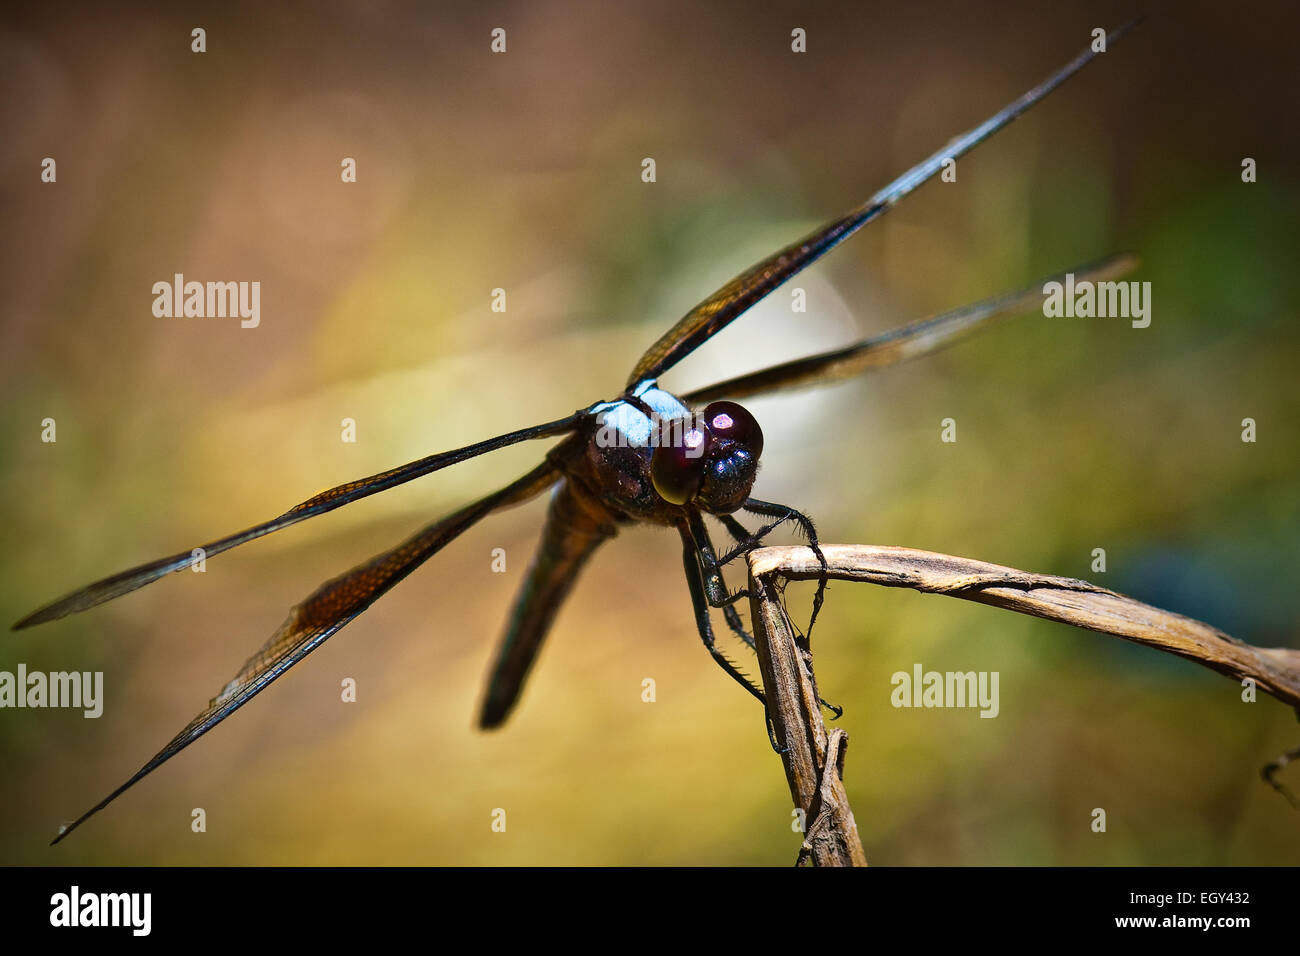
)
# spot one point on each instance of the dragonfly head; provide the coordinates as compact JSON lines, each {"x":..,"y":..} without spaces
{"x":712,"y":463}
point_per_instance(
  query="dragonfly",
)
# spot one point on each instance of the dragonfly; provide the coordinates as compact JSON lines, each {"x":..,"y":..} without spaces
{"x":646,"y":456}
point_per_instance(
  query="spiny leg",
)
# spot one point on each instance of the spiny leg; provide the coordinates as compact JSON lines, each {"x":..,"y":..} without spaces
{"x":715,"y":586}
{"x":738,"y":530}
{"x":1270,"y":770}
{"x":695,"y":581}
{"x":738,"y":626}
{"x":704,"y":560}
{"x":744,"y":537}
{"x":745,"y":540}
{"x":704,"y":546}
{"x":785,"y":513}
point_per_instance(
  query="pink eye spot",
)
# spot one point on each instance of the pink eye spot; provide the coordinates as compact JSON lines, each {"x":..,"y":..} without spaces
{"x":731,"y":422}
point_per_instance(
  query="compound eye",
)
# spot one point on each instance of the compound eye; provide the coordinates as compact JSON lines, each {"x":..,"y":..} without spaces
{"x":727,"y":420}
{"x":676,"y":469}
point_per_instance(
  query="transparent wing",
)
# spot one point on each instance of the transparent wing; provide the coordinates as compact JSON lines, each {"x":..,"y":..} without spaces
{"x":733,"y":299}
{"x":917,"y":338}
{"x":128,"y":581}
{"x":317,"y":618}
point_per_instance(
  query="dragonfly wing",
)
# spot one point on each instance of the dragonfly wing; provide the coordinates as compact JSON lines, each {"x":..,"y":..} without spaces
{"x":325,"y":612}
{"x":128,"y":581}
{"x":575,"y":528}
{"x":917,"y":338}
{"x":733,"y":299}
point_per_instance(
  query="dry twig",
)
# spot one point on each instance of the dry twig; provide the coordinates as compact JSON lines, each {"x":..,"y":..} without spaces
{"x":786,"y":661}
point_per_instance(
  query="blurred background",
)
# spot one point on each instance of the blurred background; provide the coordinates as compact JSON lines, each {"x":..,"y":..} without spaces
{"x":522,"y":171}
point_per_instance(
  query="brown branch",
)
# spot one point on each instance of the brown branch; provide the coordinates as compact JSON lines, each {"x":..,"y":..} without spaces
{"x":794,"y":711}
{"x":793,"y":704}
{"x":1275,"y":669}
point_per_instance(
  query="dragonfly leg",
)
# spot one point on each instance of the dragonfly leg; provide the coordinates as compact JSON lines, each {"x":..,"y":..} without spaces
{"x":695,"y":581}
{"x":1269,"y":773}
{"x":771,"y":736}
{"x":715,"y":585}
{"x":738,"y":626}
{"x":745,"y":540}
{"x":744,"y":537}
{"x":785,"y":513}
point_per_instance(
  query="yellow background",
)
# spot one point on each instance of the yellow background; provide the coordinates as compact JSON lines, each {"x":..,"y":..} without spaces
{"x":522,"y":171}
